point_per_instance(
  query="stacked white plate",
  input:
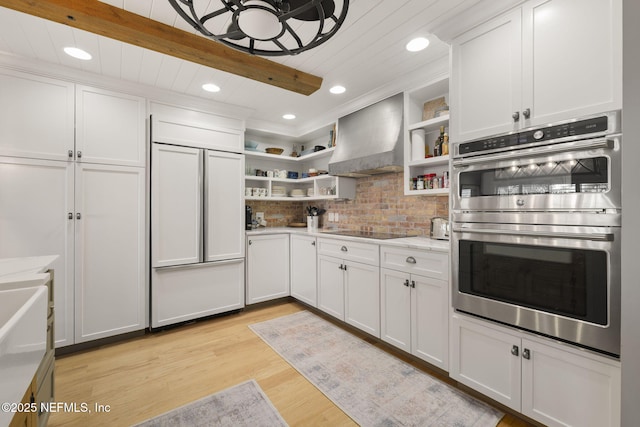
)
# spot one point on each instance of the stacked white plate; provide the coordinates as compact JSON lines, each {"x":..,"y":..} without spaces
{"x":296,"y":192}
{"x":278,"y":191}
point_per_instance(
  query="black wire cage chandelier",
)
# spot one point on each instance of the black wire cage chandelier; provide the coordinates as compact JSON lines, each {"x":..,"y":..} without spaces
{"x":265,"y":27}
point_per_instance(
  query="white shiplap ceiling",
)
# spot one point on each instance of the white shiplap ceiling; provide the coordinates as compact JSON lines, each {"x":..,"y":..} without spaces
{"x":366,"y":56}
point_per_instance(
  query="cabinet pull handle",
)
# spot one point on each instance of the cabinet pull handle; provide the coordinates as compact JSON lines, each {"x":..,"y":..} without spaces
{"x":406,"y":283}
{"x":526,"y":354}
{"x":527,"y":113}
{"x":78,"y":216}
{"x":70,"y":215}
{"x":70,"y":154}
{"x":411,"y":260}
{"x":79,"y":155}
{"x":313,"y":243}
{"x":250,"y":242}
{"x":516,"y":116}
{"x":515,"y":350}
{"x":344,"y":249}
{"x":413,"y":284}
{"x":345,"y":268}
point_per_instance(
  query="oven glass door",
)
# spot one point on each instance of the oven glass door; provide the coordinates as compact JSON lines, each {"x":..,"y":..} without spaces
{"x":570,"y":282}
{"x":564,"y":177}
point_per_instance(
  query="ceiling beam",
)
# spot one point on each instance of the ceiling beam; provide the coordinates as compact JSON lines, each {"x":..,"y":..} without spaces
{"x":115,"y":23}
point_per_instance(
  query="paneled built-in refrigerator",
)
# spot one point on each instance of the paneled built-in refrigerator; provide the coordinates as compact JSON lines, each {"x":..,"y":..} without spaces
{"x":197,"y":237}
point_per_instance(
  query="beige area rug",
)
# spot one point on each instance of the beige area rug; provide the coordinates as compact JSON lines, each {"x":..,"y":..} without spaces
{"x":369,"y":385}
{"x":242,"y":405}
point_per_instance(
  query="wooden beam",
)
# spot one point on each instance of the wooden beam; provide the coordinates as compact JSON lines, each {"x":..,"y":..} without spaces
{"x":105,"y":20}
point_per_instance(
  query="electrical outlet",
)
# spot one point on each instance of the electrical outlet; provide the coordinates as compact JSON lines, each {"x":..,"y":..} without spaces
{"x":331,"y":217}
{"x":336,"y":217}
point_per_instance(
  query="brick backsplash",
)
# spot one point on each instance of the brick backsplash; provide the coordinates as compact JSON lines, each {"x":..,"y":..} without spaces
{"x":380,"y":205}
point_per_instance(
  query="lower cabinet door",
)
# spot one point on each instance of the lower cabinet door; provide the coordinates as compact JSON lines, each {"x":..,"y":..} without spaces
{"x":487,"y":360}
{"x":331,"y":286}
{"x":395,"y":312}
{"x":362,"y":297}
{"x":564,"y":389}
{"x":267,"y":267}
{"x":430,"y":320}
{"x":304,"y":269}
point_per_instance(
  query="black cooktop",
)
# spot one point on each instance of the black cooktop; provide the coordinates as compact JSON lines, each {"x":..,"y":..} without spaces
{"x":368,"y":234}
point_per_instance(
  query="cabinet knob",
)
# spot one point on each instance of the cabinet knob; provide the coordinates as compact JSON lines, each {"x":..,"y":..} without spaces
{"x":516,"y":116}
{"x":411,"y":260}
{"x":527,"y":113}
{"x":313,"y":243}
{"x":79,"y":154}
{"x":70,"y":154}
{"x":250,"y":242}
{"x":344,"y":249}
{"x":515,"y":350}
{"x":78,"y":216}
{"x":526,"y":354}
{"x":70,"y":215}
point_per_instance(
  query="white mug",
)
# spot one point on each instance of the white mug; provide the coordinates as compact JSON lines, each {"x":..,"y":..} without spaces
{"x":248,"y":191}
{"x":270,"y":174}
{"x":263,"y":192}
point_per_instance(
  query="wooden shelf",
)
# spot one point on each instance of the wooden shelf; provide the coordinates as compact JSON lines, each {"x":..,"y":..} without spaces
{"x":430,"y":161}
{"x":431,"y":124}
{"x":316,"y":155}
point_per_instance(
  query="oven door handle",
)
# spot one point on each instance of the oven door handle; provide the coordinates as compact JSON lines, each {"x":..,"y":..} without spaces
{"x":538,"y":151}
{"x":597,"y":237}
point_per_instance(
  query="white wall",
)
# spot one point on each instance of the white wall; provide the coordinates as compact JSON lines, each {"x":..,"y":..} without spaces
{"x":630,"y":356}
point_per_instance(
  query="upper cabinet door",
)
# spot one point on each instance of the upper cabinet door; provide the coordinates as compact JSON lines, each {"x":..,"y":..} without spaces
{"x":572,"y":58}
{"x":486,"y":78}
{"x":176,"y":205}
{"x":36,"y":116}
{"x":110,"y":127}
{"x":224,"y":206}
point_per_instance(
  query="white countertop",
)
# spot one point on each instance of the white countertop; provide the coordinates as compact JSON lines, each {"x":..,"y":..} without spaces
{"x":25,"y":271}
{"x":422,"y":243}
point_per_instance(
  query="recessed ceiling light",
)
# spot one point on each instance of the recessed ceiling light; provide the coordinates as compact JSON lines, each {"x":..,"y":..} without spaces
{"x":77,"y":53}
{"x":210,"y":87}
{"x":337,"y":90}
{"x":417,"y":44}
{"x":289,"y":116}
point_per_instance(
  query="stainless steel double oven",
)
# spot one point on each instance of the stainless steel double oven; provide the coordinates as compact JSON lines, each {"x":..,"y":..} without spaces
{"x":536,"y":218}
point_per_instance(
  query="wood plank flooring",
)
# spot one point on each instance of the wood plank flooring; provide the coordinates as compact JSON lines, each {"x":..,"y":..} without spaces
{"x":152,"y":374}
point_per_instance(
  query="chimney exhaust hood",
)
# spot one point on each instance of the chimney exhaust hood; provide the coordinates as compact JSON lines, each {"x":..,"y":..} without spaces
{"x":370,"y":141}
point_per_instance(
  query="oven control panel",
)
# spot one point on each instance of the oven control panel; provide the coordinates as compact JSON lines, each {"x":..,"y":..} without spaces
{"x":596,"y":125}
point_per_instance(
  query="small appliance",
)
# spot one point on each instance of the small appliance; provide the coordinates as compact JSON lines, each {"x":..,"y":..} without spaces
{"x":439,"y":228}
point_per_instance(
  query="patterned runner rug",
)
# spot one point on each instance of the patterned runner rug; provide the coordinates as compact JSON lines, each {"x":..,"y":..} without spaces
{"x":242,"y":405}
{"x":369,"y":385}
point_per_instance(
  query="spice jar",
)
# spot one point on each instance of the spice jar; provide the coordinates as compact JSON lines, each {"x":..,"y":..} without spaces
{"x":420,"y":183}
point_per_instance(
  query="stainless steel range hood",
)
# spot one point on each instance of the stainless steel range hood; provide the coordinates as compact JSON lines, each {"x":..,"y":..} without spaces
{"x":370,"y":140}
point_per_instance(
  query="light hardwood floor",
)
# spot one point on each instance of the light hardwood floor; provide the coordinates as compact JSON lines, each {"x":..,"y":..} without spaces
{"x":152,"y":374}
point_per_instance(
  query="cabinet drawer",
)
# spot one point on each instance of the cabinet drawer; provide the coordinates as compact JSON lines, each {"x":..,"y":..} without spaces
{"x":426,"y":263}
{"x":366,"y":253}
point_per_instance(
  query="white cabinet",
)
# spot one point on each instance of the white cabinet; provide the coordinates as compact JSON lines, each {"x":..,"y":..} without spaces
{"x":304,"y":269}
{"x":535,"y":65}
{"x":267,"y":267}
{"x":415,"y":303}
{"x":350,"y":290}
{"x":550,"y":382}
{"x":50,"y":181}
{"x":36,"y":116}
{"x":36,"y":197}
{"x":110,"y":296}
{"x":414,"y":101}
{"x":110,"y":127}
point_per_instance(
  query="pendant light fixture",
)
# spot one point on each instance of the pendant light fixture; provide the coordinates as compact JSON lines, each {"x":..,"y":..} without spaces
{"x":265,"y":27}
